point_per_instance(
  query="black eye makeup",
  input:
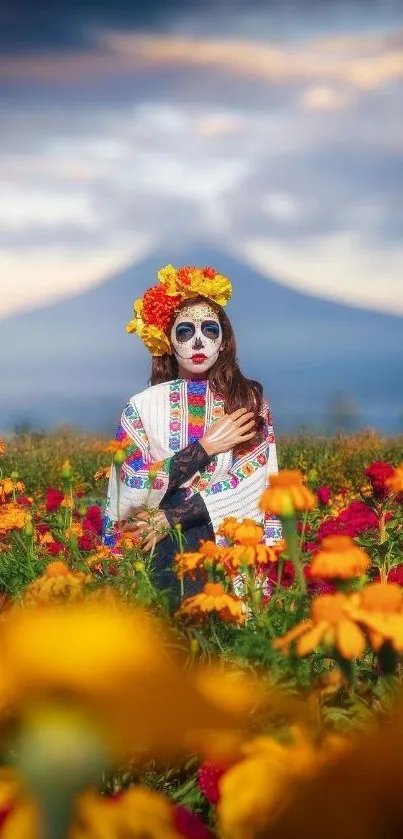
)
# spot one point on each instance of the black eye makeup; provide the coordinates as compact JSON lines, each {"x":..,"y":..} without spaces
{"x":211,"y":329}
{"x":184,"y":332}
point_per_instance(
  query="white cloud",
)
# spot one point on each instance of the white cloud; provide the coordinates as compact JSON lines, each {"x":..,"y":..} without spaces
{"x":339,"y":267}
{"x":33,"y":277}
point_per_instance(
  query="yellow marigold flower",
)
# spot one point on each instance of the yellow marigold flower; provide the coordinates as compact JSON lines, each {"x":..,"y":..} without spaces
{"x":57,"y":569}
{"x":227,"y":527}
{"x":68,"y":502}
{"x":213,"y":598}
{"x":395,"y":482}
{"x":110,"y":662}
{"x":254,"y":555}
{"x":101,"y":553}
{"x":339,"y":557}
{"x":116,"y":446}
{"x":378,"y":607}
{"x":74,"y":531}
{"x":187,"y":563}
{"x":331,"y":625}
{"x":254,"y":790}
{"x":138,"y":813}
{"x":287,"y":495}
{"x":102,"y":473}
{"x":8,"y":486}
{"x":12,"y":517}
{"x":248,"y":532}
{"x":58,"y":584}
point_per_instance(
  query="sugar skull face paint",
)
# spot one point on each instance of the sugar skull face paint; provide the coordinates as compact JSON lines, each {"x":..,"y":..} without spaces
{"x":196,"y":338}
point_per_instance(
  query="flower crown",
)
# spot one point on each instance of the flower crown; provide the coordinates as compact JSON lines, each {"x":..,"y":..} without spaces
{"x":160,"y":303}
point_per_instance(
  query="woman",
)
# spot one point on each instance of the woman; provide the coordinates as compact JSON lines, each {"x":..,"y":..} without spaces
{"x":199,"y":443}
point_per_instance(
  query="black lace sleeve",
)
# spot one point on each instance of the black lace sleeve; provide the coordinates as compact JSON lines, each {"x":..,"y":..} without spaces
{"x":185,"y":464}
{"x":190,"y":512}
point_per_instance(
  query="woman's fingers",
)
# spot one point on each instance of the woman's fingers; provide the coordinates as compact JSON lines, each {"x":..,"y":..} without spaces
{"x":243,"y":437}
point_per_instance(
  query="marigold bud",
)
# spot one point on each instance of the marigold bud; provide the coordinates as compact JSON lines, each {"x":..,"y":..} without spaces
{"x":14,"y":476}
{"x":66,"y":469}
{"x":119,"y":457}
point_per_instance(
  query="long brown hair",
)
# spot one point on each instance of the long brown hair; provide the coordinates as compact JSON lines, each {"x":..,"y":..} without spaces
{"x":225,"y":376}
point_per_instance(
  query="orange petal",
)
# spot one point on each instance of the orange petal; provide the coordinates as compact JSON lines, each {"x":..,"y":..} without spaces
{"x":350,"y":639}
{"x":309,"y":642}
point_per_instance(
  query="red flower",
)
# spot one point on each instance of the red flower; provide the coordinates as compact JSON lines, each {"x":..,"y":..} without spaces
{"x":324,"y":495}
{"x":209,"y":273}
{"x":53,"y":500}
{"x":86,"y":542}
{"x":377,"y":473}
{"x":159,"y":307}
{"x":190,"y":825}
{"x":355,"y":519}
{"x":25,"y":502}
{"x":54,"y":548}
{"x":396,"y":575}
{"x":209,"y":777}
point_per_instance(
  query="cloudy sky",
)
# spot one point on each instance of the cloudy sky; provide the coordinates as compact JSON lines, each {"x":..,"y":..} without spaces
{"x":272,"y":129}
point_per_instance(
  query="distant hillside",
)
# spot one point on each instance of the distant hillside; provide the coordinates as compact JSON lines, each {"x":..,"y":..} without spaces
{"x":73,"y":362}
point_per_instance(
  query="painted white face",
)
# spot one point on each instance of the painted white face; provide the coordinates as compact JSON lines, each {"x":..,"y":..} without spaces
{"x":196,"y":338}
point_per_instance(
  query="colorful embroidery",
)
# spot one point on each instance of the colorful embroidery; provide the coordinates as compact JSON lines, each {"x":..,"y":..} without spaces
{"x":175,"y":416}
{"x":196,"y":399}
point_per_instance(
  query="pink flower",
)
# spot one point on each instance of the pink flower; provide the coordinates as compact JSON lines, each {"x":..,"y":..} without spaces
{"x":209,"y":777}
{"x":190,"y":825}
{"x":324,"y":495}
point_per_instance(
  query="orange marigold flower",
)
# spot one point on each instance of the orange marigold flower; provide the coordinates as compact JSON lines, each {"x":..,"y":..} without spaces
{"x":211,"y":551}
{"x":101,"y":553}
{"x":378,"y":609}
{"x":395,"y":482}
{"x":248,"y":532}
{"x":114,"y":446}
{"x":56,"y":569}
{"x":287,"y":495}
{"x":187,"y":563}
{"x":12,"y":517}
{"x":228,"y":527}
{"x":8,"y":486}
{"x":102,"y":473}
{"x":331,"y":625}
{"x":340,"y":558}
{"x":254,"y":555}
{"x":75,"y":530}
{"x":213,"y":598}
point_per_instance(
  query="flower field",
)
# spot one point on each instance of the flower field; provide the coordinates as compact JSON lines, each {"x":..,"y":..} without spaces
{"x":265,"y":704}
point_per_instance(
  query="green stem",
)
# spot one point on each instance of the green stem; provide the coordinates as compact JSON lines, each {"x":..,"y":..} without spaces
{"x":291,"y":536}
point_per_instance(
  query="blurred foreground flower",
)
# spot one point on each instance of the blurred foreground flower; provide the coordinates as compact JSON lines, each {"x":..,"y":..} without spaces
{"x":258,"y":787}
{"x":338,"y":557}
{"x":112,"y":663}
{"x":358,"y":795}
{"x":287,"y":495}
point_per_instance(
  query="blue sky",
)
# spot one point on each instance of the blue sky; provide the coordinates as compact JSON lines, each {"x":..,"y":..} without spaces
{"x":276,"y":132}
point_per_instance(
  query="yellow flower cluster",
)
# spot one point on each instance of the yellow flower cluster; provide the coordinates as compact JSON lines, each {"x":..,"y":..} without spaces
{"x":12,"y":517}
{"x":57,"y":585}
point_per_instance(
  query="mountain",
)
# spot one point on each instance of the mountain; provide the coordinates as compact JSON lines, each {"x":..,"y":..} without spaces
{"x":72,"y":361}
